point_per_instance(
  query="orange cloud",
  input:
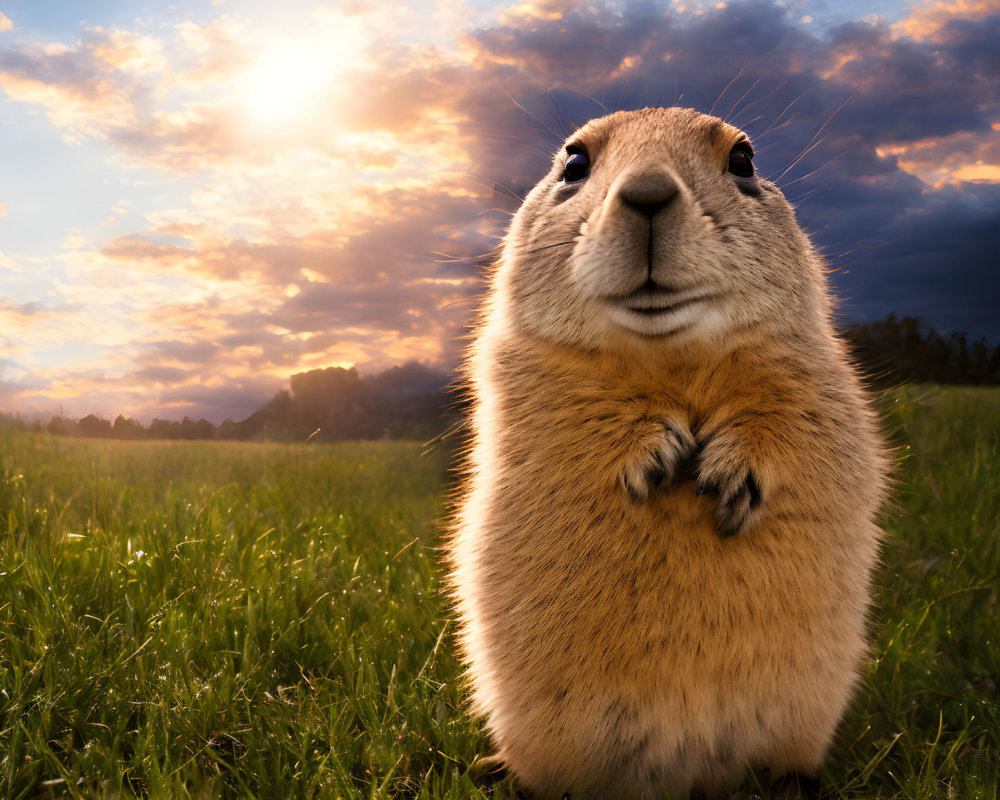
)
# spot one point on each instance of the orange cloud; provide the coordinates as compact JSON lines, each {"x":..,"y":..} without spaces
{"x":224,"y":92}
{"x":88,"y":87}
{"x":210,"y":135}
{"x":213,"y":52}
{"x":193,"y":248}
{"x":5,"y":22}
{"x":965,"y":156}
{"x":200,"y":136}
{"x":927,"y":21}
{"x":84,"y":109}
{"x":19,"y":317}
{"x":540,"y":10}
{"x":114,"y":84}
{"x":128,"y":52}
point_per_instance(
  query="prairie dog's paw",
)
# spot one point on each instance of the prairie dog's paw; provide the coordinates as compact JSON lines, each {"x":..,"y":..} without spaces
{"x":659,"y":459}
{"x":723,"y":469}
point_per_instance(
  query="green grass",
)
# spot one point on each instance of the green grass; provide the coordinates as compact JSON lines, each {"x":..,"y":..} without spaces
{"x":235,"y":620}
{"x":928,"y":721}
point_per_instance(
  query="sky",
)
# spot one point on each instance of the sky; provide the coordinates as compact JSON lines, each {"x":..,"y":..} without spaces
{"x":198,"y":200}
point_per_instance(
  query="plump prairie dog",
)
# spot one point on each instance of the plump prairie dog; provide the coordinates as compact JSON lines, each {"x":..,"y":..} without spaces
{"x":662,"y":553}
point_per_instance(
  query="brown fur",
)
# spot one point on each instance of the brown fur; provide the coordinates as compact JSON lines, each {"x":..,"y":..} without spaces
{"x":661,"y":556}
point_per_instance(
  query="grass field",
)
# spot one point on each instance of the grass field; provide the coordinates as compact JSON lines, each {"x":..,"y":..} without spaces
{"x":235,"y":620}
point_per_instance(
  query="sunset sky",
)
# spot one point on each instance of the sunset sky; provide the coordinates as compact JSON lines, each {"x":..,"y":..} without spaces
{"x":199,"y":199}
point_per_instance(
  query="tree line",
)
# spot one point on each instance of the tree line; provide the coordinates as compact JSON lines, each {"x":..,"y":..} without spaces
{"x":414,"y":401}
{"x":903,"y":350}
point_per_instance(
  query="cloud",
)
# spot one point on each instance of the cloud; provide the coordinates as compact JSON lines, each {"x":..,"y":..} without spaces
{"x":214,"y":51}
{"x":78,"y":393}
{"x":5,"y":23}
{"x":109,"y":83}
{"x":928,"y":21}
{"x":88,"y":87}
{"x":378,"y":293}
{"x":936,"y":262}
{"x":27,"y":325}
{"x":18,"y":316}
{"x":424,"y":240}
{"x":203,"y":96}
{"x":964,"y":156}
{"x":19,"y":392}
{"x":126,"y":52}
{"x":234,"y":400}
{"x":158,"y":375}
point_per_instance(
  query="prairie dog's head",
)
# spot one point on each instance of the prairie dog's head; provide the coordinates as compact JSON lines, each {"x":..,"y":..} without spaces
{"x":653,"y":227}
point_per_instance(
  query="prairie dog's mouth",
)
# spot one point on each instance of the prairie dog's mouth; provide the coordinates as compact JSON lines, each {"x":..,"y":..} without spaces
{"x":655,"y":311}
{"x":648,"y":300}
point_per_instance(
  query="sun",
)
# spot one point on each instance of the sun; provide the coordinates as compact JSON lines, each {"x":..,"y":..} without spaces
{"x":287,"y":82}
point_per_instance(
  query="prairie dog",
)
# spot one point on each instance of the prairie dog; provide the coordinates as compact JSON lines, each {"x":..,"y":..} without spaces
{"x":661,"y":556}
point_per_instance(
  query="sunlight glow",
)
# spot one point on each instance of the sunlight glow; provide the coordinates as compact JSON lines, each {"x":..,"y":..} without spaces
{"x":288,"y":81}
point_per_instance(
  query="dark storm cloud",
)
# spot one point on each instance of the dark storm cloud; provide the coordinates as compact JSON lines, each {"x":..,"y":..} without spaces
{"x":973,"y":45}
{"x":911,"y":248}
{"x":913,"y":90}
{"x":940,"y":261}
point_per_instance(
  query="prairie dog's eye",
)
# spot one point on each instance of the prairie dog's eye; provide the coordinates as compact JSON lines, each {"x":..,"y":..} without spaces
{"x":577,"y":165}
{"x":741,"y":160}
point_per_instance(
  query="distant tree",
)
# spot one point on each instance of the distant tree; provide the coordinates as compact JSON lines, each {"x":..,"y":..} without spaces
{"x":228,"y":430}
{"x":275,"y":417}
{"x":898,"y":350}
{"x":204,"y":429}
{"x":980,"y":367}
{"x":11,"y":422}
{"x":93,"y":427}
{"x":60,"y":426}
{"x":162,"y":429}
{"x":126,"y":428}
{"x":335,"y":400}
{"x":186,"y":429}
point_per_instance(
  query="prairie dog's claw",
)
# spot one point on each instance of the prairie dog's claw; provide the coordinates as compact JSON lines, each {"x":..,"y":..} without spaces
{"x":661,"y":459}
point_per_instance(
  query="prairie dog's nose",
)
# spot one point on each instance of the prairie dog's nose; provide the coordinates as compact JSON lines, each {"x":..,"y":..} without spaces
{"x":648,"y":191}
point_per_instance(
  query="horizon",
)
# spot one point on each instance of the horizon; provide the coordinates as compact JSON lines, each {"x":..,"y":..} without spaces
{"x":873,"y":346}
{"x":201,"y":201}
{"x":362,"y":372}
